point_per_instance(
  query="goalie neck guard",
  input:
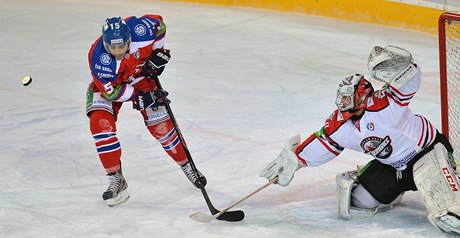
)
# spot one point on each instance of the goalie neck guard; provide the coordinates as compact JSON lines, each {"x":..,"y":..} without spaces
{"x":353,"y":93}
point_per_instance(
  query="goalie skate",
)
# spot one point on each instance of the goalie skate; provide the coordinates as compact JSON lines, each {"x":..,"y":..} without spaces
{"x":447,"y":220}
{"x":117,"y":192}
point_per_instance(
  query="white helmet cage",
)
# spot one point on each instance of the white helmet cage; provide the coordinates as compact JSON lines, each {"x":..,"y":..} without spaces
{"x":353,"y":93}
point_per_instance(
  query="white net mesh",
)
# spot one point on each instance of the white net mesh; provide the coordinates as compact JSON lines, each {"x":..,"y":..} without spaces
{"x":452,"y":30}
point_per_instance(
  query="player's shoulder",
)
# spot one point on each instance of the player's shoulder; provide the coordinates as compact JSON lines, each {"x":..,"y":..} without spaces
{"x":103,"y":64}
{"x":336,"y":120}
{"x":378,"y":100}
{"x":144,"y":28}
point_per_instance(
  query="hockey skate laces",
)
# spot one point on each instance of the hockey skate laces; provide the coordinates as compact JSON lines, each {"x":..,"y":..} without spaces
{"x":190,"y":175}
{"x":115,"y":182}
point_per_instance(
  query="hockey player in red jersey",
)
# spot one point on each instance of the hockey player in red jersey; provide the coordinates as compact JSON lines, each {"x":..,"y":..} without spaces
{"x":122,"y":61}
{"x":409,"y":153}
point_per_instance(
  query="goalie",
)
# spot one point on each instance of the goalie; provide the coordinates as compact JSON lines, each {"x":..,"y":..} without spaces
{"x":409,"y":153}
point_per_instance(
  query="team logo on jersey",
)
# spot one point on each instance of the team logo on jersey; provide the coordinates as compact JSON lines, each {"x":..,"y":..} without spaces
{"x":377,"y":147}
{"x":370,"y":126}
{"x":140,"y":30}
{"x":106,"y":59}
{"x":357,"y":124}
{"x":137,"y":54}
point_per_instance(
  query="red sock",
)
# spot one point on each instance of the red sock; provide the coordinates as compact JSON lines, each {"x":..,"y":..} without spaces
{"x":167,"y":136}
{"x":103,"y":128}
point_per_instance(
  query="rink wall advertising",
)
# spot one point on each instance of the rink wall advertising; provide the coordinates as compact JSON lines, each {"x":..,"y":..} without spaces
{"x":419,"y":15}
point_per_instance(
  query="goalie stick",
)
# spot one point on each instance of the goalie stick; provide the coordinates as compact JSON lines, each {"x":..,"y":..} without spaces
{"x":204,"y":218}
{"x":226,"y":215}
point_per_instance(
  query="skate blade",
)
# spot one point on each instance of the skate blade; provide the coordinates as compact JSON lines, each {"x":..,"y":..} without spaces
{"x":122,"y":197}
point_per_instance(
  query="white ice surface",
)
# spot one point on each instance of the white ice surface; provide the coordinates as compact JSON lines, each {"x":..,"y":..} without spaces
{"x":241,"y":82}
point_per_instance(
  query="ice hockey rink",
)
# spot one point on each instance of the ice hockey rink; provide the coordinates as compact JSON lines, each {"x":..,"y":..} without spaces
{"x":241,"y":82}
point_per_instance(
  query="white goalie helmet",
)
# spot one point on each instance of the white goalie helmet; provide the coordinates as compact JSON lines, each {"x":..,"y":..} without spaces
{"x":353,"y":93}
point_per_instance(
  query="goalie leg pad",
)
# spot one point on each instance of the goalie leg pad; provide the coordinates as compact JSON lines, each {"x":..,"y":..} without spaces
{"x":439,"y":187}
{"x":354,"y":200}
{"x":346,"y":184}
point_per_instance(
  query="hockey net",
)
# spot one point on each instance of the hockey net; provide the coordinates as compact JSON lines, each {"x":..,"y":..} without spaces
{"x":449,"y":56}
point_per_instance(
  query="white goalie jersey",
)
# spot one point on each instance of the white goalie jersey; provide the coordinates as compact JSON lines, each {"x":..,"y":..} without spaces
{"x":388,"y":130}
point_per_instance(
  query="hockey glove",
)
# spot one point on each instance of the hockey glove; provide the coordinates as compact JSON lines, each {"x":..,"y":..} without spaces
{"x":142,"y":83}
{"x":156,"y":64}
{"x":285,"y":165}
{"x":151,"y":99}
{"x":392,"y":65}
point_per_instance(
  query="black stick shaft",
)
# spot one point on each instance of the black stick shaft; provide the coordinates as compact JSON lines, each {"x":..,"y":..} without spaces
{"x":187,"y":152}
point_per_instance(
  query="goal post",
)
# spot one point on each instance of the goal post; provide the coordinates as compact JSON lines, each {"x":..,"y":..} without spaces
{"x":449,"y":63}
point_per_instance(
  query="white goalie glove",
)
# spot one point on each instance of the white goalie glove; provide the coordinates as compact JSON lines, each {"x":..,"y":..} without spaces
{"x":391,"y":64}
{"x":285,"y":165}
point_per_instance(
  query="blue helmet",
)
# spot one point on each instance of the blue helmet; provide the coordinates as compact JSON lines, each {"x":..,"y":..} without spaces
{"x":115,"y":32}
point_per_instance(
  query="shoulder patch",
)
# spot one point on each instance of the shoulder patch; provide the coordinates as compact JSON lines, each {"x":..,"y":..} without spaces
{"x":335,"y":120}
{"x":378,"y":101}
{"x":105,"y":59}
{"x":140,"y":30}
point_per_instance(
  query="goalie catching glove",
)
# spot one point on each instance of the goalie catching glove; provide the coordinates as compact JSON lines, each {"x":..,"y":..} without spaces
{"x":392,"y":65}
{"x":151,"y":99}
{"x":156,"y":64}
{"x":285,"y":165}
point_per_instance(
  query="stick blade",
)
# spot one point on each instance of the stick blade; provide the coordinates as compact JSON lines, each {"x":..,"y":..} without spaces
{"x":232,"y":216}
{"x":201,"y":217}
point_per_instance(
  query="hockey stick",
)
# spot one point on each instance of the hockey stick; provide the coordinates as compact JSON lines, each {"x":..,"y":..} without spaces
{"x":226,"y":215}
{"x":200,"y":217}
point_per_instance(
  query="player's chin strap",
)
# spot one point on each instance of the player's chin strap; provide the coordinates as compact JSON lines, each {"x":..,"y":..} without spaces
{"x":226,"y":216}
{"x":392,"y":65}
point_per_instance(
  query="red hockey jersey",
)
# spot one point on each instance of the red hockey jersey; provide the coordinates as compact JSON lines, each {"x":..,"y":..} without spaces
{"x":116,"y":79}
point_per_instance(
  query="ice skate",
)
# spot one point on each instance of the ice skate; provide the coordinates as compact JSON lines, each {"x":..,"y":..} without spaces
{"x":192,"y":176}
{"x":447,"y":220}
{"x":117,"y":192}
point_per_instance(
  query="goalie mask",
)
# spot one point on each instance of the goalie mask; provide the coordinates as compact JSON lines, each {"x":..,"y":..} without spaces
{"x":353,"y":93}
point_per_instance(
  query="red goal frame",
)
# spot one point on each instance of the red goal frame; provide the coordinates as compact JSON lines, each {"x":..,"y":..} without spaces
{"x":445,"y":19}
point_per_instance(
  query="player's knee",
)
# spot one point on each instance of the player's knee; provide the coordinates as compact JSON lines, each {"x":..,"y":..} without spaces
{"x":102,"y":121}
{"x":162,"y":130}
{"x":361,"y":198}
